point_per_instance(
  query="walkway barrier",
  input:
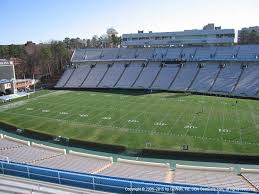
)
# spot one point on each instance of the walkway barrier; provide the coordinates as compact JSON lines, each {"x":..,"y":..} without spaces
{"x":103,"y":183}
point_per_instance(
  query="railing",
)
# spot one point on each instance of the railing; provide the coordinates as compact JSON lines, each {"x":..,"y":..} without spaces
{"x":102,"y":183}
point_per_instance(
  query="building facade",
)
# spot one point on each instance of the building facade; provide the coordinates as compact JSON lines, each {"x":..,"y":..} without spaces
{"x":209,"y":35}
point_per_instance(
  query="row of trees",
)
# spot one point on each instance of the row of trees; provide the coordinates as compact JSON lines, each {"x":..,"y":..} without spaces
{"x":48,"y":59}
{"x":39,"y":60}
{"x":248,"y":37}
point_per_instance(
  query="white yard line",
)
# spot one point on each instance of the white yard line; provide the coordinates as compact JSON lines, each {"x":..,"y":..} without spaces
{"x":181,"y":115}
{"x":251,"y":113}
{"x":142,"y":112}
{"x":193,"y":119}
{"x":207,"y":123}
{"x":239,"y":124}
{"x":223,"y":119}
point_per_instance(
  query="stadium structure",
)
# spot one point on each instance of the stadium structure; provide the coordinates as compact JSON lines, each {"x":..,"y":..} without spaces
{"x":228,"y":71}
{"x":10,"y":87}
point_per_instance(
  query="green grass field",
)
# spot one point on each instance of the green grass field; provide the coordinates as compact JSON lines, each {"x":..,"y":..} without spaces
{"x":158,"y":120}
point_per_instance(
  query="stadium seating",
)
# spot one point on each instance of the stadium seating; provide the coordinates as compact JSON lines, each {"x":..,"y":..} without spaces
{"x":147,"y":76}
{"x":188,"y":53}
{"x":205,"y":78}
{"x":110,"y":54}
{"x":185,"y":77}
{"x":229,"y":70}
{"x":248,"y":52}
{"x":77,"y":162}
{"x":65,"y":77}
{"x":130,"y":75}
{"x":165,"y":76}
{"x":249,"y":82}
{"x":49,"y":158}
{"x":145,"y":53}
{"x":92,"y":54}
{"x":252,"y":176}
{"x":226,"y":53}
{"x":78,"y":76}
{"x":210,"y":176}
{"x":205,"y":53}
{"x":227,"y":78}
{"x":29,"y":154}
{"x":127,"y":53}
{"x":10,"y":143}
{"x":112,"y":76}
{"x":138,"y":170}
{"x":95,"y":76}
{"x":79,"y":55}
{"x":159,"y":53}
{"x":173,"y":53}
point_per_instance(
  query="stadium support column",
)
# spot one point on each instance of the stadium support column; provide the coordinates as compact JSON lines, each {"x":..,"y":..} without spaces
{"x":14,"y":89}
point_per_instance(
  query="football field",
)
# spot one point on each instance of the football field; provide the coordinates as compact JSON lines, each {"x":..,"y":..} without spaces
{"x":138,"y":120}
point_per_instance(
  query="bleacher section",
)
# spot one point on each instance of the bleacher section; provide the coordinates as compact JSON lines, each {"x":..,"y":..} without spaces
{"x":145,"y":53}
{"x":226,"y":53}
{"x":138,"y":170}
{"x":127,"y":53}
{"x":77,"y":162}
{"x":110,"y":54}
{"x":252,"y":176}
{"x":79,"y":75}
{"x":227,"y":78}
{"x":248,"y":52}
{"x":95,"y":76}
{"x":232,"y":70}
{"x":249,"y":82}
{"x":112,"y":76}
{"x":65,"y":77}
{"x":185,"y":77}
{"x":210,"y":176}
{"x":173,"y":53}
{"x":147,"y":76}
{"x":51,"y":159}
{"x":205,"y":78}
{"x":79,"y":55}
{"x":130,"y":75}
{"x":206,"y":53}
{"x":27,"y":154}
{"x":188,"y":53}
{"x":165,"y":76}
{"x":92,"y":54}
{"x":159,"y":53}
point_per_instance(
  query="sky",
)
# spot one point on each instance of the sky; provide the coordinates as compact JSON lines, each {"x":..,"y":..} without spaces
{"x":46,"y":20}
